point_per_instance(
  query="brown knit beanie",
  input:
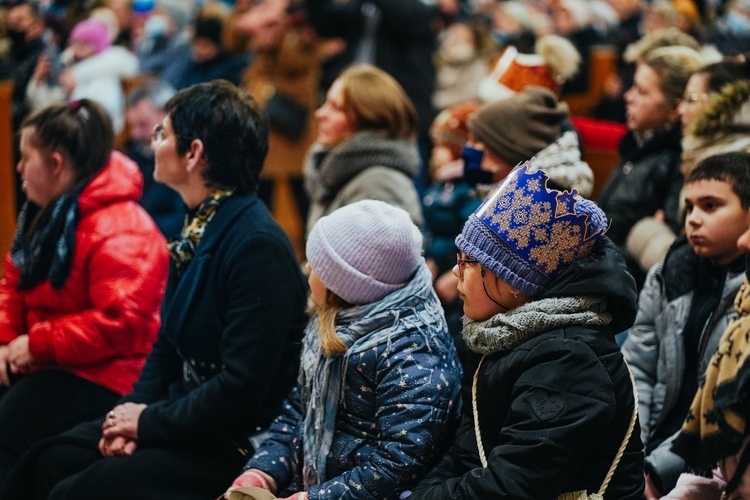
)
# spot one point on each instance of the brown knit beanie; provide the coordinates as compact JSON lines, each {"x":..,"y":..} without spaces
{"x":517,"y":128}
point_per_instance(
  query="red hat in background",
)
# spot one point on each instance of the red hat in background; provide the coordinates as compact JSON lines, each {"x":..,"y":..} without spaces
{"x":555,"y":60}
{"x":513,"y":72}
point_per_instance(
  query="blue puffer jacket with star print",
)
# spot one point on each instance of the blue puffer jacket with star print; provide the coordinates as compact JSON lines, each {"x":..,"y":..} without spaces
{"x":399,"y":406}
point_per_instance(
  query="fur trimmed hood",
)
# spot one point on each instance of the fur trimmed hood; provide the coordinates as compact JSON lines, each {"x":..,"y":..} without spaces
{"x":723,"y":127}
{"x":727,"y":111}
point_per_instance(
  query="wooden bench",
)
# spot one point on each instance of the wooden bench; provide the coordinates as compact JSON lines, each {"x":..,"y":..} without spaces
{"x":7,"y":172}
{"x":603,"y":62}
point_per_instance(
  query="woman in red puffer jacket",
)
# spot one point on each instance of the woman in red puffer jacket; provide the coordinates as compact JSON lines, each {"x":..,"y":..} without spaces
{"x":79,"y":304}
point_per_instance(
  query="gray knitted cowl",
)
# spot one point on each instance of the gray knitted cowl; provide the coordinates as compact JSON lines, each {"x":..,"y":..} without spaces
{"x":328,"y":170}
{"x":503,"y":332}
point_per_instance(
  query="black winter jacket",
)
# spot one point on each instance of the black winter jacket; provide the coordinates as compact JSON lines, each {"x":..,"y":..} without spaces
{"x":554,"y":410}
{"x":647,"y":179}
{"x":237,"y":316}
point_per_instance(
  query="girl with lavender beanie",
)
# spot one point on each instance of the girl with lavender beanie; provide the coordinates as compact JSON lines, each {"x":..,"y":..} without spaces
{"x":379,"y":382}
{"x":553,"y":408}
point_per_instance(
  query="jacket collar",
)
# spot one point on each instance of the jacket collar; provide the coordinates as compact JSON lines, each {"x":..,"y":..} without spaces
{"x":602,"y":273}
{"x":224,"y":219}
{"x":179,"y":296}
{"x":664,"y":139}
{"x":681,"y":265}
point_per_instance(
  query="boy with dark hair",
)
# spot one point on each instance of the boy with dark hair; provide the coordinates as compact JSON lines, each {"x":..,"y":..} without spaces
{"x":715,"y":436}
{"x":685,"y":306}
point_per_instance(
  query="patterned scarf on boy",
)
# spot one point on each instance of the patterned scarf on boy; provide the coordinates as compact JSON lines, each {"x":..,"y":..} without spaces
{"x":716,"y":424}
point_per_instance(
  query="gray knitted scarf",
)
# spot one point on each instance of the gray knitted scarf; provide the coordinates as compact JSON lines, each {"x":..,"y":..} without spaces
{"x":328,"y":170}
{"x":503,"y":332}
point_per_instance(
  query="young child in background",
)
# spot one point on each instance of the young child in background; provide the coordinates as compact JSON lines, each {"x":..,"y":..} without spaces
{"x":379,"y":383}
{"x":93,"y":68}
{"x":685,"y":306}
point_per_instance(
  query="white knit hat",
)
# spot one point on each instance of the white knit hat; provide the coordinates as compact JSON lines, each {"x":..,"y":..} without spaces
{"x":364,"y":251}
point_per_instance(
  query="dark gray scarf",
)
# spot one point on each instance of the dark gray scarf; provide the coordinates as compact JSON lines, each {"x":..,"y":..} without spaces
{"x":45,"y":240}
{"x":328,"y":170}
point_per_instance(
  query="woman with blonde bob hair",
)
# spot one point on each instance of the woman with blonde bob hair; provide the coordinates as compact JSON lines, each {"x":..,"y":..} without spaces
{"x":648,"y":178}
{"x":377,"y":102}
{"x":366,"y":145}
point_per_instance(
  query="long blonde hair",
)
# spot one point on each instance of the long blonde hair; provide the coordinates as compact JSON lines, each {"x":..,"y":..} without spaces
{"x":327,"y":312}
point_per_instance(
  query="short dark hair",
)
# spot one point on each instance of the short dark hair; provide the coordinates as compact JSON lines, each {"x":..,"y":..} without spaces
{"x":81,"y":130}
{"x":732,"y":168}
{"x":232,"y":127}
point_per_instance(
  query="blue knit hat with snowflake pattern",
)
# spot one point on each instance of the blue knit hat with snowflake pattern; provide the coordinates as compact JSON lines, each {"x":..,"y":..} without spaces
{"x":527,"y":234}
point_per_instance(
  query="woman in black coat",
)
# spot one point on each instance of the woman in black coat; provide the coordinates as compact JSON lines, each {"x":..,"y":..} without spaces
{"x":648,"y":177}
{"x":232,"y":319}
{"x":544,"y":293}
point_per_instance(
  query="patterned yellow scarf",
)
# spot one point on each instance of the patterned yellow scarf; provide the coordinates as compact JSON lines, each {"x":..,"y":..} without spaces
{"x":717,"y":421}
{"x":182,"y":250}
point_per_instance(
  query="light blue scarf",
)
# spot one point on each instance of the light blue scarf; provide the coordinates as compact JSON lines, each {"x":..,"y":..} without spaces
{"x":412,"y":308}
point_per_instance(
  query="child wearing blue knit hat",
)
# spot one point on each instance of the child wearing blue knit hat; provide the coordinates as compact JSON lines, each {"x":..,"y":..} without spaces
{"x":553,"y":408}
{"x":380,"y":378}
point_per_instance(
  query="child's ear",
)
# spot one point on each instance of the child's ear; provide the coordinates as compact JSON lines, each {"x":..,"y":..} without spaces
{"x":519,"y":298}
{"x":514,"y":292}
{"x":57,"y":161}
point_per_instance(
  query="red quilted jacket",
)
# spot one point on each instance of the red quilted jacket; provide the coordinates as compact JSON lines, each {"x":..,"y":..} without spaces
{"x":100,"y":325}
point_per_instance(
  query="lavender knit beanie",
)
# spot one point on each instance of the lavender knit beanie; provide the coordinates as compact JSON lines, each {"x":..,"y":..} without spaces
{"x":364,"y":251}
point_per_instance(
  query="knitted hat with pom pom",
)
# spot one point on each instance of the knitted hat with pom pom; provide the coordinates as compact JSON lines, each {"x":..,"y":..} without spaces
{"x":93,"y":32}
